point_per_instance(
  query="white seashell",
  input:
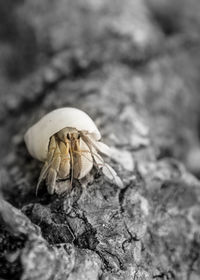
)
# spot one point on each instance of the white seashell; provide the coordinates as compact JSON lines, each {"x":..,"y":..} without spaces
{"x":37,"y":137}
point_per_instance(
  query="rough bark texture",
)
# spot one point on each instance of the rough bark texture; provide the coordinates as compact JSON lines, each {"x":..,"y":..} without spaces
{"x":133,"y":66}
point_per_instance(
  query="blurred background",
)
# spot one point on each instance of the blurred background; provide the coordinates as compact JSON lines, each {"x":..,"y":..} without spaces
{"x":151,"y":48}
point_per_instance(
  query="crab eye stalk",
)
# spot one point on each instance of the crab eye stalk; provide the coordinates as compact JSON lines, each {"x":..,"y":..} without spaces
{"x":46,"y":141}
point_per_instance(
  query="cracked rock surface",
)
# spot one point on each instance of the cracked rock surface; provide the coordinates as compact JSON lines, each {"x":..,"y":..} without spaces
{"x":134,"y":68}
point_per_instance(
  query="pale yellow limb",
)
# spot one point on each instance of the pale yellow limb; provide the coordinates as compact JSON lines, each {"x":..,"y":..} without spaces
{"x":77,"y":166}
{"x":72,"y":164}
{"x":64,"y":169}
{"x":47,"y":164}
{"x":86,"y":159}
{"x":53,"y":171}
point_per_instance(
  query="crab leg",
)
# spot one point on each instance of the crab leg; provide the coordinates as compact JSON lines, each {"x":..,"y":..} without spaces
{"x":64,"y":168}
{"x":77,"y":166}
{"x":53,"y":170}
{"x":47,"y":164}
{"x":107,"y":170}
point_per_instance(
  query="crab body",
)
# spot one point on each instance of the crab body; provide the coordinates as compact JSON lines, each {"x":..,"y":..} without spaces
{"x":67,"y":141}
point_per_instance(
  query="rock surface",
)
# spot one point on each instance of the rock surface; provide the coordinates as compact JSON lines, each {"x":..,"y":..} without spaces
{"x":133,"y":66}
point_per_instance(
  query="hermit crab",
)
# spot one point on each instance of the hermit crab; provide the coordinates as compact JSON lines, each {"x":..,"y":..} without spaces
{"x":68,"y":142}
